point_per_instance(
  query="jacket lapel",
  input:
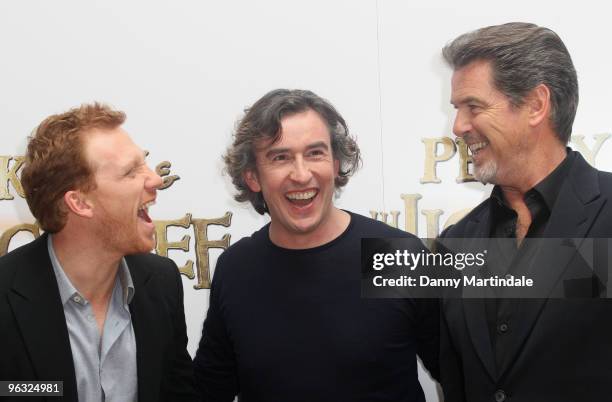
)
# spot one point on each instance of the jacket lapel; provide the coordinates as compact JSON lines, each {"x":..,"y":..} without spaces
{"x":473,"y":304}
{"x":38,"y":310}
{"x":576,"y":209}
{"x":145,"y":321}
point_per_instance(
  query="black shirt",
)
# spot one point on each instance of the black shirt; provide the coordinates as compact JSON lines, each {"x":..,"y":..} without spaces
{"x":291,"y":325}
{"x":540,"y":201}
{"x":505,"y":257}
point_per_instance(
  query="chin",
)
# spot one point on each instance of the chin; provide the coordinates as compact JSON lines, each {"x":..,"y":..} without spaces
{"x":140,"y":246}
{"x":486,"y":172}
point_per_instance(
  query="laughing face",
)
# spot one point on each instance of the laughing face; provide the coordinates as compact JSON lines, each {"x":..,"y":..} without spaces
{"x":125,"y":189}
{"x":495,"y":131}
{"x":296,"y":176}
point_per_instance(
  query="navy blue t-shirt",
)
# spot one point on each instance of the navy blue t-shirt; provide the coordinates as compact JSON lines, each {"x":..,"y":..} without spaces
{"x":290,"y":325}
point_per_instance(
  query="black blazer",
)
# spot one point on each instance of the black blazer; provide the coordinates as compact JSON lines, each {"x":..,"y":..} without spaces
{"x":34,"y":341}
{"x":553,"y":349}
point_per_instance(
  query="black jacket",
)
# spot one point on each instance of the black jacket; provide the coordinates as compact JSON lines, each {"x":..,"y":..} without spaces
{"x":554,"y":349}
{"x":34,"y":341}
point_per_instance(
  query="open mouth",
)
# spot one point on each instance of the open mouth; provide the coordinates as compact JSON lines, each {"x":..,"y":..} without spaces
{"x":477,"y":146}
{"x":143,"y":211}
{"x":302,"y":198}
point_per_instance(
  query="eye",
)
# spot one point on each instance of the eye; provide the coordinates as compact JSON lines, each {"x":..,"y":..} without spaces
{"x":133,"y":171}
{"x":316,"y":153}
{"x":280,"y":157}
{"x":474,"y":108}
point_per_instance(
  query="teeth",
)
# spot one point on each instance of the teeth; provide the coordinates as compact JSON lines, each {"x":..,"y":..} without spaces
{"x":146,"y":205}
{"x":477,"y":146}
{"x":302,"y":196}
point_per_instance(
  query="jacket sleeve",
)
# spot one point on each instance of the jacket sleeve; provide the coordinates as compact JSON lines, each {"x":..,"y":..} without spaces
{"x":451,"y":371}
{"x":180,"y":385}
{"x":215,"y":361}
{"x":428,"y":335}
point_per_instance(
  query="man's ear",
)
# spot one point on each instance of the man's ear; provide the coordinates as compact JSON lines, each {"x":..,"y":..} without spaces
{"x":538,"y":101}
{"x":77,"y":202}
{"x":251,"y":180}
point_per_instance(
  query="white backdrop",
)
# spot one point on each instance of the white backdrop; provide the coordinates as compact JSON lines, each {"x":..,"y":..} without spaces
{"x":183,"y":72}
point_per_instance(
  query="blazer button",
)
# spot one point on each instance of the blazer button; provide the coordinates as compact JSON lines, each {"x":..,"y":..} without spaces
{"x":500,"y":396}
{"x":502,"y":328}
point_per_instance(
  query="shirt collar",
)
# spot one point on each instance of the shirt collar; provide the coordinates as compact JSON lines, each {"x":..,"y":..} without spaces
{"x":67,"y":289}
{"x":548,"y":188}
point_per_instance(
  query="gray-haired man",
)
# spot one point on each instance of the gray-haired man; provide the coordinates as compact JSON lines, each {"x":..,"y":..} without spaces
{"x":515,"y":91}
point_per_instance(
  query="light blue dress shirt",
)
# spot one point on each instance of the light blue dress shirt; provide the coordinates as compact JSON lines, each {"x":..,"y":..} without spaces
{"x":104,"y":364}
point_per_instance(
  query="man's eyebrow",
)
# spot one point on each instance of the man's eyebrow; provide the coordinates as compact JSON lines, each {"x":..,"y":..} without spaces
{"x":275,"y":151}
{"x":318,"y":144}
{"x":280,"y":150}
{"x":467,"y":99}
{"x":134,"y":162}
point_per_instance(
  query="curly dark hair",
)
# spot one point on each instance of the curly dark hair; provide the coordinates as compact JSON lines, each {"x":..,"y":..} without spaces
{"x":262,"y":121}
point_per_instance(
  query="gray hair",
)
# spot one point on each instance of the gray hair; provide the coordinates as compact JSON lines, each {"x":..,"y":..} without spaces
{"x":523,"y":56}
{"x":262,"y":121}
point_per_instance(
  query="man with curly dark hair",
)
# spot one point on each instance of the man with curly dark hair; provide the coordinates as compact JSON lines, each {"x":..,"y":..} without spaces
{"x":286,"y":321}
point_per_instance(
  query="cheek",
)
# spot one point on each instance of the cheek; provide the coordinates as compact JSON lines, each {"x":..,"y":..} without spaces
{"x":271,"y":182}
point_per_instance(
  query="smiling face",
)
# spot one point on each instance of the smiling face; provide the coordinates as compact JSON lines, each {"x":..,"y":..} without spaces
{"x":296,"y":176}
{"x":495,"y":131}
{"x":125,"y":188}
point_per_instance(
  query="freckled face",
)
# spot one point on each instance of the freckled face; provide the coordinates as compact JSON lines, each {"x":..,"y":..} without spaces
{"x":125,"y":188}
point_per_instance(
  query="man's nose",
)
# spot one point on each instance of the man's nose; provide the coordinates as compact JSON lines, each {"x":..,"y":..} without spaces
{"x":462,"y":124}
{"x":153,"y":180}
{"x":300,"y":172}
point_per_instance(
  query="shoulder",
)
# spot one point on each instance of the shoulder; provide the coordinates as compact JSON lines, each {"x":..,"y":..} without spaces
{"x":152,"y":269}
{"x":242,"y":254}
{"x":246,"y":246}
{"x":368,"y":227}
{"x":24,"y":258}
{"x":605,"y":182}
{"x":33,"y":249}
{"x":150,"y":262}
{"x":477,"y":214}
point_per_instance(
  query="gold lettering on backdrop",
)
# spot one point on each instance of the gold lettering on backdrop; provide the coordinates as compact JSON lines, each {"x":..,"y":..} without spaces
{"x":411,"y":207}
{"x":432,"y":217}
{"x":384,"y":217}
{"x":590,"y":155}
{"x":465,"y":159}
{"x":163,"y":245}
{"x":8,"y":235}
{"x":203,"y":245}
{"x":8,"y":174}
{"x":163,"y":169}
{"x":432,"y":157}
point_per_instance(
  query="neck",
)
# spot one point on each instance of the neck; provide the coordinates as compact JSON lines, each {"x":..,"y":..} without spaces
{"x":330,"y":228}
{"x":90,"y":268}
{"x":533,"y":171}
